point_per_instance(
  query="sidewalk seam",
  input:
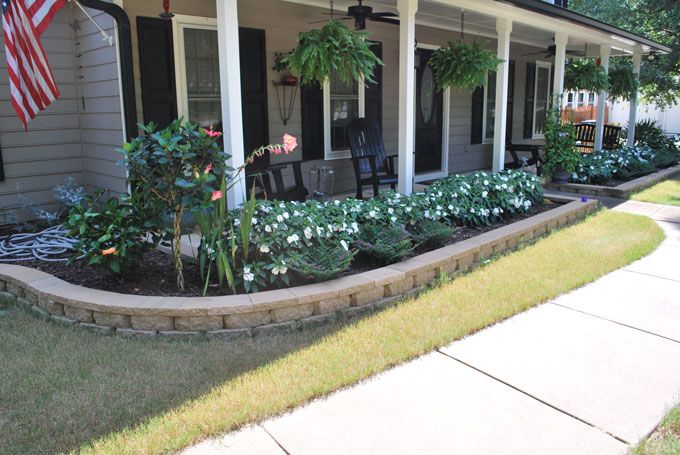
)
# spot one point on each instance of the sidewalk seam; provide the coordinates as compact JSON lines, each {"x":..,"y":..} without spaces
{"x":614,"y":322}
{"x":274,"y":439}
{"x":650,"y":275}
{"x":534,"y":397}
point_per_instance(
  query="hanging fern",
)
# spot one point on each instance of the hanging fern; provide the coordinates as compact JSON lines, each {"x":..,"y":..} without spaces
{"x":585,"y":74}
{"x":463,"y":65}
{"x":622,"y":81}
{"x":332,"y":49}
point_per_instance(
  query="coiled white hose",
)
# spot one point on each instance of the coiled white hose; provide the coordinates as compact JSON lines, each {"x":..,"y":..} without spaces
{"x":51,"y":245}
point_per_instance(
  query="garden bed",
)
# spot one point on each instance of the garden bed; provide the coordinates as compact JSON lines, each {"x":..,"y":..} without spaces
{"x":154,"y":274}
{"x":231,"y":316}
{"x":621,"y":191}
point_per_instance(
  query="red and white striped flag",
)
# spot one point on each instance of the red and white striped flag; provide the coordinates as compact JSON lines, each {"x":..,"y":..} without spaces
{"x":31,"y":83}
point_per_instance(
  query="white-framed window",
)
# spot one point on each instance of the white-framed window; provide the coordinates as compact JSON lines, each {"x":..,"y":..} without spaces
{"x":489,"y":114}
{"x":580,"y":100}
{"x":342,"y":103}
{"x":592,"y":97}
{"x":541,"y":97}
{"x":197,"y":69}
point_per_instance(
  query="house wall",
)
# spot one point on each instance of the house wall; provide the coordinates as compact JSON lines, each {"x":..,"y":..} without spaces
{"x":37,"y":160}
{"x":101,"y":121}
{"x":76,"y":135}
{"x":282,"y":21}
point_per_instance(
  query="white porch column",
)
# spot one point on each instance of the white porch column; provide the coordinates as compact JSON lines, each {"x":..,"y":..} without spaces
{"x":560,"y":58}
{"x":632,"y":116}
{"x":605,"y":52}
{"x":230,"y":86}
{"x":407,"y":41}
{"x":503,"y":27}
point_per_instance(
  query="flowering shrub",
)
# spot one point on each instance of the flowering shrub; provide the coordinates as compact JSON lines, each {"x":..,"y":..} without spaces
{"x":624,"y":163}
{"x":282,"y":230}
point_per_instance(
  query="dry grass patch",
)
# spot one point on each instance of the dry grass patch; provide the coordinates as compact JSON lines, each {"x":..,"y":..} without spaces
{"x":64,"y":388}
{"x":666,"y":192}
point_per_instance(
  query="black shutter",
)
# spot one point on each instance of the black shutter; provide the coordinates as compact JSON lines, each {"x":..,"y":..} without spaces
{"x":511,"y":99}
{"x":529,"y":101}
{"x":311,"y":100}
{"x":373,"y":91}
{"x":254,"y":92}
{"x":477,"y":115}
{"x":157,"y":70}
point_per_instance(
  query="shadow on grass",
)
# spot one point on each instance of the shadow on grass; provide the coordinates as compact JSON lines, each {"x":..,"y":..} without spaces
{"x":61,"y":388}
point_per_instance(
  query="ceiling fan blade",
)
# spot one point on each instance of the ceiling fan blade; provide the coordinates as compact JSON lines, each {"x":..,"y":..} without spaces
{"x":576,"y":53}
{"x":385,"y":20}
{"x":533,"y":53}
{"x":384,"y":15}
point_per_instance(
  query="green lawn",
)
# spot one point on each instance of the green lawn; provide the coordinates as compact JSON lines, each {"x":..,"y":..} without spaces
{"x":65,"y":390}
{"x":666,"y":192}
{"x":665,"y":439}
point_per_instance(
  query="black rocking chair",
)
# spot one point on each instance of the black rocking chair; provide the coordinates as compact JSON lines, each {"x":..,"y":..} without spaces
{"x":369,"y":157}
{"x":517,"y":162}
{"x":262,"y":178}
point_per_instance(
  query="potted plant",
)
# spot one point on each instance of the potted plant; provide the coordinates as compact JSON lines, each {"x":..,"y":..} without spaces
{"x":561,"y":154}
{"x":585,"y":74}
{"x":281,"y":66}
{"x":332,"y":49}
{"x":623,"y":84}
{"x":463,"y":65}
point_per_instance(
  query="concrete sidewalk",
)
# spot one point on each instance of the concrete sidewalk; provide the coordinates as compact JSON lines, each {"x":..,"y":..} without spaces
{"x":591,"y":372}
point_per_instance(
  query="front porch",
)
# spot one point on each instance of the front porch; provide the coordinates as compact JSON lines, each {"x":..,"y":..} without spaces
{"x":212,"y":52}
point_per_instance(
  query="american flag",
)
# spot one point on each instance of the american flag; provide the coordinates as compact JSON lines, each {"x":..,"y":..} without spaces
{"x":31,"y":83}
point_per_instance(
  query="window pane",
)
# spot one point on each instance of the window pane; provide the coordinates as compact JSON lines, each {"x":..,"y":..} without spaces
{"x":490,"y":106}
{"x":581,"y":97}
{"x":542,"y":88}
{"x":591,"y":99}
{"x":203,"y":76}
{"x":344,"y":107}
{"x":342,"y":111}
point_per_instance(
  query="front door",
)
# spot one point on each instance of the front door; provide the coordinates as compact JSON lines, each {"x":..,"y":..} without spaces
{"x":429,"y":116}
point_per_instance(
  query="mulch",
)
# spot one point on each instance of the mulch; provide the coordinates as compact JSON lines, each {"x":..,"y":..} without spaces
{"x":154,"y":274}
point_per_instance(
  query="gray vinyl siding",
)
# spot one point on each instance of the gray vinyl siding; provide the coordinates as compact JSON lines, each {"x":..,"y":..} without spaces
{"x":51,"y":150}
{"x":101,"y":123}
{"x":67,"y":139}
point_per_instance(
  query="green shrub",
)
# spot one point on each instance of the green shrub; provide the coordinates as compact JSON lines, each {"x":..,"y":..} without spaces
{"x":387,"y":244}
{"x":585,"y":74}
{"x":624,"y":163}
{"x":322,"y":261}
{"x":113,"y":233}
{"x":560,"y":144}
{"x":431,"y":233}
{"x":175,"y":170}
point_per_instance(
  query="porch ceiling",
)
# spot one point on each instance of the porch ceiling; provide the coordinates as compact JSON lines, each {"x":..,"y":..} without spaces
{"x":445,"y":15}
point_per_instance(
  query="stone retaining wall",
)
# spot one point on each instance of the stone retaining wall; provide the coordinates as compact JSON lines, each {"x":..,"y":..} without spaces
{"x":244,"y":315}
{"x":623,"y":191}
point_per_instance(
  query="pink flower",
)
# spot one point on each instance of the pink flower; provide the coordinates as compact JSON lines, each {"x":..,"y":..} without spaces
{"x":216,"y":195}
{"x":276,"y":150}
{"x":289,"y":143}
{"x":109,"y":251}
{"x":212,"y":133}
{"x":208,"y":168}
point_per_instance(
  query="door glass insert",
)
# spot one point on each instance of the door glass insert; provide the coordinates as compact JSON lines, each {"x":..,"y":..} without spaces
{"x":201,"y":60}
{"x":344,"y":99}
{"x":427,"y":92}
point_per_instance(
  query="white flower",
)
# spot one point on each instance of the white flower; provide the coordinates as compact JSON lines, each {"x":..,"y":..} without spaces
{"x":237,"y":222}
{"x":285,"y":215}
{"x":279,"y":218}
{"x":485,"y":194}
{"x":254,"y":221}
{"x":486,"y":183}
{"x":344,"y":245}
{"x":293,"y":238}
{"x":390,"y":210}
{"x":279,"y":269}
{"x":355,"y":226}
{"x":496,"y":211}
{"x":319,"y":231}
{"x":408,"y":209}
{"x":264,"y":249}
{"x":308,"y":232}
{"x":247,"y":275}
{"x":394,"y":219}
{"x":372,"y":214}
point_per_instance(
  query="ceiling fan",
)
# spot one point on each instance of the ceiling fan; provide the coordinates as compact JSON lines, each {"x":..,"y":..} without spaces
{"x":360,"y":13}
{"x":550,"y":52}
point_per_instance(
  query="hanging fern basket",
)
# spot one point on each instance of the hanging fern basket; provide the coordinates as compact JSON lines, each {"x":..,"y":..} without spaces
{"x":332,"y":49}
{"x":622,"y":81}
{"x":463,"y":65}
{"x":585,"y":74}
